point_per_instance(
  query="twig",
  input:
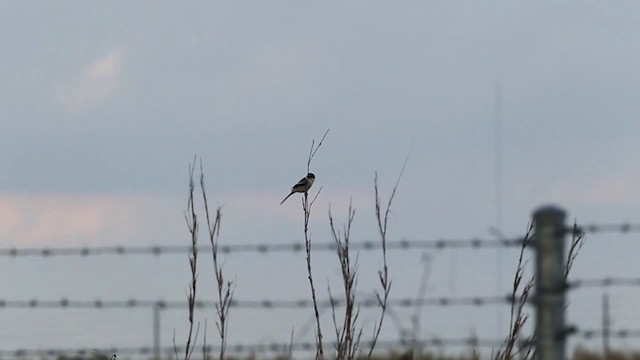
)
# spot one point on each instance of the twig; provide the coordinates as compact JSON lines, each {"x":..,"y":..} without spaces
{"x":306,"y":208}
{"x":337,"y":328}
{"x":225,"y":291}
{"x":175,"y":347}
{"x":518,"y":318}
{"x":288,"y":350}
{"x":192,"y":224}
{"x":383,"y":275}
{"x":347,"y":342}
{"x":314,"y":150}
{"x":205,"y":350}
{"x":577,"y":241}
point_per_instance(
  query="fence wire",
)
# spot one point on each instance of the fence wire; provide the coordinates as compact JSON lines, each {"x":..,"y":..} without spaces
{"x":250,"y":304}
{"x":405,"y":244}
{"x":265,"y":248}
{"x":281,"y":347}
{"x":303,"y":303}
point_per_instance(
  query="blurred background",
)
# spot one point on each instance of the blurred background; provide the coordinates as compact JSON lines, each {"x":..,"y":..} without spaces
{"x":502,"y":107}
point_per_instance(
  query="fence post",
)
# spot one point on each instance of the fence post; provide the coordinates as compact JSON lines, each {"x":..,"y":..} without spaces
{"x":157,"y":308}
{"x":549,"y":244}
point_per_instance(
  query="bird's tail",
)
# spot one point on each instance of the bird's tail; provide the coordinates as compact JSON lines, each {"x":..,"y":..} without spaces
{"x":285,"y":199}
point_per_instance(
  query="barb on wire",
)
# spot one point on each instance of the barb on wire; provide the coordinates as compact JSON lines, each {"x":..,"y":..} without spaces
{"x":597,"y":333}
{"x":624,"y":227}
{"x":605,"y":282}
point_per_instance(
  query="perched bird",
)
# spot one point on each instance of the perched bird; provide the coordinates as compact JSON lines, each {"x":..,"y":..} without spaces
{"x":302,"y":186}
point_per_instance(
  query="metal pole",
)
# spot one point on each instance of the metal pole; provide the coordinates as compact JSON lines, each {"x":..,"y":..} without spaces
{"x":156,"y":330}
{"x":550,"y":282}
{"x":606,"y":324}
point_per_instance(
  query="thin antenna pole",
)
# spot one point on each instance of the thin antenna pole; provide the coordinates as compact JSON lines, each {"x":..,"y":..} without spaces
{"x":498,"y":155}
{"x":498,"y":190}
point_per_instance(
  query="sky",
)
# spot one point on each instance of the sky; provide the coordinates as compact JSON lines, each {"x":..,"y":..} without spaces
{"x":106,"y":104}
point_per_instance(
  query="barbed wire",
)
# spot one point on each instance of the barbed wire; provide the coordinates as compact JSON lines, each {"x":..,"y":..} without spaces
{"x":258,"y":248}
{"x":258,"y":348}
{"x":303,"y":346}
{"x":303,"y":303}
{"x":404,"y":244}
{"x":604,"y":282}
{"x":264,"y":248}
{"x":251,"y":304}
{"x":618,"y":334}
{"x":610,"y":228}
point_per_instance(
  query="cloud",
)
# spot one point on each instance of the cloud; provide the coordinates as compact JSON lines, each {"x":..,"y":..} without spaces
{"x":94,"y":85}
{"x":63,"y":219}
{"x":93,"y":219}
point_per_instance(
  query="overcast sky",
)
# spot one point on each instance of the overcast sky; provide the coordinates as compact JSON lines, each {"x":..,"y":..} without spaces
{"x":105,"y":104}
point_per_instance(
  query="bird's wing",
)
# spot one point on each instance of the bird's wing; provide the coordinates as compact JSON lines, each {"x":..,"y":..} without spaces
{"x":303,"y":182}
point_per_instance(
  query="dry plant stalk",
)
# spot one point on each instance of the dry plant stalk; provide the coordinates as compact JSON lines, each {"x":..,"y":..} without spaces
{"x":225,"y":289}
{"x":383,"y":275}
{"x":287,"y":353}
{"x":306,"y":208}
{"x":518,"y":316}
{"x":577,"y":240}
{"x":518,"y":303}
{"x":347,"y":335}
{"x":205,"y":349}
{"x":191,"y":219}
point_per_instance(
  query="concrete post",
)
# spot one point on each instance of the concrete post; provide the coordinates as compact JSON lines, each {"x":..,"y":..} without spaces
{"x":549,"y":244}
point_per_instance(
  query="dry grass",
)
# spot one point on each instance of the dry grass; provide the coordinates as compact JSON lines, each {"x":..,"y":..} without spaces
{"x":520,"y":297}
{"x":306,"y":208}
{"x":347,"y":330}
{"x":224,"y":288}
{"x":348,"y":334}
{"x":191,"y":219}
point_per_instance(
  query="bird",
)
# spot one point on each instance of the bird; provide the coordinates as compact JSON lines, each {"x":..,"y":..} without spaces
{"x":302,"y":186}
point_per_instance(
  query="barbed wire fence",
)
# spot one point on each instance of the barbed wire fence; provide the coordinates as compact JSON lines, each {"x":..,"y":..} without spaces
{"x":278,"y":348}
{"x":555,"y":343}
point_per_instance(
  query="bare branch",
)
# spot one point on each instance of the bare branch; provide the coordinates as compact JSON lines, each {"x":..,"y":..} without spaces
{"x":347,"y":340}
{"x":577,"y":241}
{"x":205,"y":352}
{"x":315,"y":197}
{"x":289,"y":349}
{"x":383,"y":274}
{"x":175,"y":347}
{"x":225,"y":290}
{"x":518,"y":302}
{"x":314,"y":150}
{"x":306,"y":208}
{"x":192,"y":225}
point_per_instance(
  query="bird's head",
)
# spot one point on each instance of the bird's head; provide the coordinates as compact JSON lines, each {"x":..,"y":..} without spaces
{"x":311,"y":176}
